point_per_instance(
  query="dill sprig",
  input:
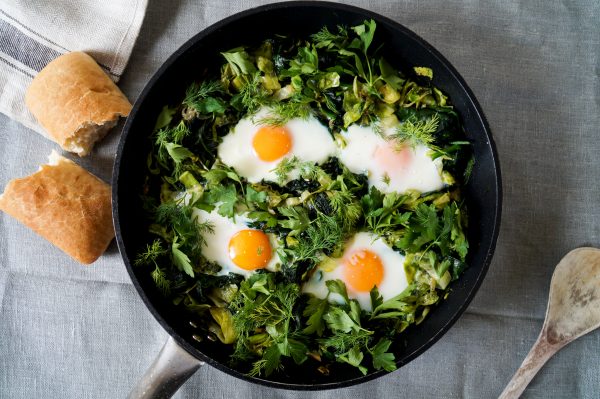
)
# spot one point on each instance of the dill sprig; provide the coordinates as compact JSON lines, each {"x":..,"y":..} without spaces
{"x":262,"y":306}
{"x":376,"y":126}
{"x":272,"y":309}
{"x":168,"y":142}
{"x":282,"y":112}
{"x":417,"y":132}
{"x":180,"y":132}
{"x":326,"y":39}
{"x":311,"y":171}
{"x":153,"y":251}
{"x":174,"y":134}
{"x":186,"y":225}
{"x":307,"y":170}
{"x":284,"y":168}
{"x":149,"y":257}
{"x":338,"y":76}
{"x":343,"y":342}
{"x":347,"y":207}
{"x":200,"y":91}
{"x":322,"y":235}
{"x":253,"y":95}
{"x":203,"y":97}
{"x":161,"y":280}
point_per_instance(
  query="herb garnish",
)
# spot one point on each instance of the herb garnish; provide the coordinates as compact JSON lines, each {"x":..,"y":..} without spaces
{"x":340,"y":76}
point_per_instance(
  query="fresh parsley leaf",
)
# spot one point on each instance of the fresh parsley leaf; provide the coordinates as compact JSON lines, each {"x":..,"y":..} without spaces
{"x":354,"y":357}
{"x":263,"y":216}
{"x":297,"y":219}
{"x":427,"y":218}
{"x":240,"y":62}
{"x":355,"y":311}
{"x":181,"y":260}
{"x":381,"y":358}
{"x":383,"y":212}
{"x":366,"y":32}
{"x":298,"y":351}
{"x":165,"y":117}
{"x":315,"y":310}
{"x":376,"y":298}
{"x":225,"y":197}
{"x":405,"y":304}
{"x":357,"y":62}
{"x":218,"y":173}
{"x":272,"y":360}
{"x":338,"y":287}
{"x":253,"y":196}
{"x":390,"y":75}
{"x":338,"y":320}
{"x":305,"y":63}
{"x":178,"y":152}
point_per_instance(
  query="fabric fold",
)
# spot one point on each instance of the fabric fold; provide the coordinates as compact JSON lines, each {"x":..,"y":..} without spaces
{"x":34,"y":33}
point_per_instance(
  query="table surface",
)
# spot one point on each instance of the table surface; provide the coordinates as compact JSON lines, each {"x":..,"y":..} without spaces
{"x":82,"y":332}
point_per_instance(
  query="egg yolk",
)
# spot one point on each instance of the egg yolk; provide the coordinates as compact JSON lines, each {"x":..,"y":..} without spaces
{"x":250,"y":249}
{"x":272,"y":142}
{"x":363,"y":270}
{"x":393,"y":157}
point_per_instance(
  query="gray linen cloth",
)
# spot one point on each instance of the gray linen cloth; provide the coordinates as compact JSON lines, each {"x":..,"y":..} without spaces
{"x":68,"y":331}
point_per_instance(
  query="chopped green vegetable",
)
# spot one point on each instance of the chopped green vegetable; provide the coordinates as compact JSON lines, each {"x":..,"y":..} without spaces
{"x":339,"y":76}
{"x":423,"y":71}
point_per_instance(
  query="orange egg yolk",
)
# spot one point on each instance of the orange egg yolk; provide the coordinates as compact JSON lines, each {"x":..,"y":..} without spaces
{"x":271,"y":142}
{"x":250,"y":249}
{"x":363,"y":270}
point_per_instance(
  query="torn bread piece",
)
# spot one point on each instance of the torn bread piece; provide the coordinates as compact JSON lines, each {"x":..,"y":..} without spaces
{"x":66,"y":205}
{"x":76,"y":102}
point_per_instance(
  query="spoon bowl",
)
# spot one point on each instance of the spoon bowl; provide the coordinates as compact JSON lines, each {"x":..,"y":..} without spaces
{"x":573,"y":310}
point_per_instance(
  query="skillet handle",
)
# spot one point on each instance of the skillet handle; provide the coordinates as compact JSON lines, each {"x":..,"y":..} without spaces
{"x":171,"y":368}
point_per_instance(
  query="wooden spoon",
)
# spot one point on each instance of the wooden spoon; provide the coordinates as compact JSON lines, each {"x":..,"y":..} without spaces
{"x":573,"y":310}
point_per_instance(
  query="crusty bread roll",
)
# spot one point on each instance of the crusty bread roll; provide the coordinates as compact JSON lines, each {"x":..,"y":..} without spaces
{"x":75,"y":102}
{"x":66,"y":205}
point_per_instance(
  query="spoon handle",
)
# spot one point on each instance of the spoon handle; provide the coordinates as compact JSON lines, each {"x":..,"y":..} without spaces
{"x":539,"y":354}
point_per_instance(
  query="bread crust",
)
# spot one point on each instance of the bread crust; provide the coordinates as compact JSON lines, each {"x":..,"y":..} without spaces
{"x":71,"y":94}
{"x":66,"y":205}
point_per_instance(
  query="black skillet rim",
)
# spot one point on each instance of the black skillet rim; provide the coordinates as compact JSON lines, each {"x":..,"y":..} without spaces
{"x":166,"y":65}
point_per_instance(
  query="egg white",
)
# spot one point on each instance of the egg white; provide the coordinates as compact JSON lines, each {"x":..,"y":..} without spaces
{"x":216,"y":248}
{"x":394,"y":276}
{"x":311,"y":142}
{"x":365,"y":152}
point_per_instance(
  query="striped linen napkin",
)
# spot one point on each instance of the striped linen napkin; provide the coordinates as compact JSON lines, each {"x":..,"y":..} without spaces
{"x":33,"y":33}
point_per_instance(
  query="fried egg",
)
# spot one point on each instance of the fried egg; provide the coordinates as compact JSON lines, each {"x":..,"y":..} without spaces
{"x":366,"y":262}
{"x":236,"y":247}
{"x":389,"y":168}
{"x":254,"y":150}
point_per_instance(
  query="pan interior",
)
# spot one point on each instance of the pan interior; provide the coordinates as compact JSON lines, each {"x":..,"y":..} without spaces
{"x":402,"y":48}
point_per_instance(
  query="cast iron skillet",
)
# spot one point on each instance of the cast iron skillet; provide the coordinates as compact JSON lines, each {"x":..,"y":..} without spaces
{"x":404,"y":49}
